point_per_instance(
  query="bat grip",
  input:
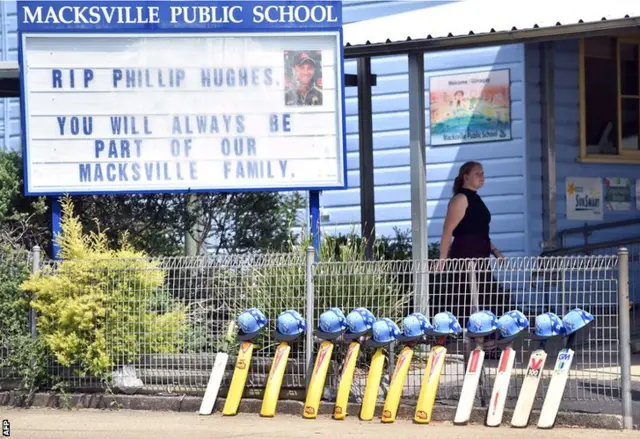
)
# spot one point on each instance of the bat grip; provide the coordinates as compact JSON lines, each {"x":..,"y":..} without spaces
{"x":570,"y":341}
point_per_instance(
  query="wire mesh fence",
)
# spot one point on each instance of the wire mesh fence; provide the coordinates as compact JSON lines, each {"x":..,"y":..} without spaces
{"x":531,"y":285}
{"x":634,"y":274}
{"x":159,"y":322}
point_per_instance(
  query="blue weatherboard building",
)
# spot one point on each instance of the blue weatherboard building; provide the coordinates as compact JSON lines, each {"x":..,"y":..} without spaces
{"x":553,"y":120}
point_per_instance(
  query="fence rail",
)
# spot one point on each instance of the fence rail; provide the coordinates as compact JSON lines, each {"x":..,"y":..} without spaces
{"x":164,"y":319}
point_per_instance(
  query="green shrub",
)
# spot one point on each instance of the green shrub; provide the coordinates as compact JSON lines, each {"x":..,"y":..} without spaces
{"x":21,"y":356}
{"x":94,"y":305}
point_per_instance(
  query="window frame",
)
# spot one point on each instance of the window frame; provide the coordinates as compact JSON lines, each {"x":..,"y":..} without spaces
{"x":623,"y":156}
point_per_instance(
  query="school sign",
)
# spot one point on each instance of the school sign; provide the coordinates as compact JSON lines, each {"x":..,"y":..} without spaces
{"x":159,"y":96}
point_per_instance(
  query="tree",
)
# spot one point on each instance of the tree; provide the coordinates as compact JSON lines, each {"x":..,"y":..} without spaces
{"x":155,"y":224}
{"x":245,"y":222}
{"x":23,"y":220}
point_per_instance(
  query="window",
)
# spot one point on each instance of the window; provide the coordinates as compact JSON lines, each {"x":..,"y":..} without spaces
{"x":610,"y":99}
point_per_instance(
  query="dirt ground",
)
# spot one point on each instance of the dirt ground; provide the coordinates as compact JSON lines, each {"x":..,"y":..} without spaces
{"x":94,"y":424}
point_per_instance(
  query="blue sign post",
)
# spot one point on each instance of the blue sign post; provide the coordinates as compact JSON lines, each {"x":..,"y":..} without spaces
{"x":182,"y":97}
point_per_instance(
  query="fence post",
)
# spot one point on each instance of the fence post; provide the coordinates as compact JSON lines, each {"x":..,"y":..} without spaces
{"x":624,"y":335}
{"x":35,"y":267}
{"x":308,"y":346}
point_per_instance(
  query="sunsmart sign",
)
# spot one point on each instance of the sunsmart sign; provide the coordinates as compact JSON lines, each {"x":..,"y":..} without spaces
{"x":159,"y":96}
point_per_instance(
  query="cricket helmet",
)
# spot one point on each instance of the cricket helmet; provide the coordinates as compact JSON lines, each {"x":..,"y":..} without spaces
{"x":289,"y":326}
{"x":548,"y":325}
{"x":575,"y":320}
{"x":511,"y":325}
{"x":250,"y":323}
{"x":481,"y":324}
{"x":359,"y":322}
{"x":444,"y":323}
{"x":331,"y":325}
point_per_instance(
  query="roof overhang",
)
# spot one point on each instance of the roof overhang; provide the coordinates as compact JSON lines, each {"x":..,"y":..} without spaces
{"x":473,"y":23}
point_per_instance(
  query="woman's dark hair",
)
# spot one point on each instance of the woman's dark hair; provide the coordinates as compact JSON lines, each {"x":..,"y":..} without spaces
{"x":464,"y":170}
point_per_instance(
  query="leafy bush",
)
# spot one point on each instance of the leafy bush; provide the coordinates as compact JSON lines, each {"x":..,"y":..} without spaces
{"x":94,"y":304}
{"x":21,"y":355}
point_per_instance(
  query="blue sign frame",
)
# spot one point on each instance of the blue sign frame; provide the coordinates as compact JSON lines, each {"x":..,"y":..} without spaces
{"x":147,"y":17}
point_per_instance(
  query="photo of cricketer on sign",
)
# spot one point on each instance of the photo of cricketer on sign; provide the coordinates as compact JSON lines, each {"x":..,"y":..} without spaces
{"x":303,"y":78}
{"x":171,"y":97}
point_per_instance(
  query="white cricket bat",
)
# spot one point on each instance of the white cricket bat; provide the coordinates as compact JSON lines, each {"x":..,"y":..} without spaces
{"x":557,"y":385}
{"x":522,"y":412}
{"x":500,"y":387}
{"x":470,"y":385}
{"x":217,"y":373}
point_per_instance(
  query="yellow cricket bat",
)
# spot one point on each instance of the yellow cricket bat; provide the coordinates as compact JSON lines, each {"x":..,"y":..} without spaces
{"x":274,"y":382}
{"x":373,"y":384}
{"x":316,"y":383}
{"x":344,"y":388}
{"x":430,"y":383}
{"x":239,"y":379}
{"x":397,"y":385}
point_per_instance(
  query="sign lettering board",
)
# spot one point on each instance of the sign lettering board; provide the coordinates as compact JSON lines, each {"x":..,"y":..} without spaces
{"x":160,"y":96}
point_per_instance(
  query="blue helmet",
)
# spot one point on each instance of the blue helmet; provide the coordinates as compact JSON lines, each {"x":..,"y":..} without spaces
{"x":481,"y":324}
{"x":359,"y":322}
{"x":511,"y":325}
{"x":444,"y":323}
{"x":412,"y":328}
{"x":575,"y":320}
{"x":424,"y":321}
{"x":548,"y":325}
{"x":289,"y":326}
{"x":384,"y":332}
{"x":250,"y":323}
{"x":332,"y":324}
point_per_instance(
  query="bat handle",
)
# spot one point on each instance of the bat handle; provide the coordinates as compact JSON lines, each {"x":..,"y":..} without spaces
{"x":570,"y":341}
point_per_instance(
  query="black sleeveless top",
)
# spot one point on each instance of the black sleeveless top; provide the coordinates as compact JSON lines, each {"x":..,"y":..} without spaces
{"x":476,"y":218}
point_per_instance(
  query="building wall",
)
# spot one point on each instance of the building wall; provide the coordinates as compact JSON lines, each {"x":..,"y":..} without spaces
{"x":10,"y":116}
{"x":358,"y":10}
{"x":504,"y":162}
{"x":567,"y":133}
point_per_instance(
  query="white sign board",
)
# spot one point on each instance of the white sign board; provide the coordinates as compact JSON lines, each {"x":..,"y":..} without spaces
{"x":178,"y":112}
{"x":584,"y":199}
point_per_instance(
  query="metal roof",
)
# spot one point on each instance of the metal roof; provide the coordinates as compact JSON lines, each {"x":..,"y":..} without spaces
{"x":484,"y":22}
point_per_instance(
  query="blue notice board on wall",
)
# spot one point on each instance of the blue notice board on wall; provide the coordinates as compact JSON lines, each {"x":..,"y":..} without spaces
{"x":159,"y":96}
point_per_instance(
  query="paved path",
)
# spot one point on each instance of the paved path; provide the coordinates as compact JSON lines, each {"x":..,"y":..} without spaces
{"x":98,"y":424}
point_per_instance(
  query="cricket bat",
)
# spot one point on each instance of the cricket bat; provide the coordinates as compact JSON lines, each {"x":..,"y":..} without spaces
{"x":557,"y":385}
{"x":274,"y":382}
{"x":397,"y":385}
{"x":522,"y":412}
{"x":470,"y":385}
{"x":239,"y":379}
{"x":430,"y":383}
{"x":346,"y":379}
{"x":217,"y":374}
{"x":316,"y":383}
{"x":500,"y":387}
{"x":373,"y":384}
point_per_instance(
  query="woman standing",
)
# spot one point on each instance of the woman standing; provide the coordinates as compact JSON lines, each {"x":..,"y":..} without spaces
{"x":465,"y":235}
